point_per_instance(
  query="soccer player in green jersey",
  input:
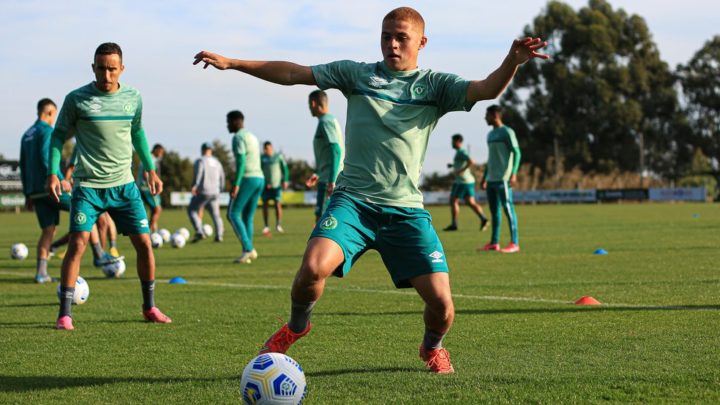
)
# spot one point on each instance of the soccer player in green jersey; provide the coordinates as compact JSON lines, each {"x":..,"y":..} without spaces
{"x":34,"y":148}
{"x":328,"y":148}
{"x":152,"y":201}
{"x":464,"y":185}
{"x":392,"y":108}
{"x":248,"y":184}
{"x":276,"y":174}
{"x":105,"y":118}
{"x":499,"y":177}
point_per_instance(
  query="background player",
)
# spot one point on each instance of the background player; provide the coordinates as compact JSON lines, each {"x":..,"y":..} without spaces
{"x":463,"y":186}
{"x":499,"y":177}
{"x":106,"y":120}
{"x":276,"y":174}
{"x":34,"y":148}
{"x":248,"y":184}
{"x":152,"y":201}
{"x":329,"y":150}
{"x":208,"y":183}
{"x":392,"y":108}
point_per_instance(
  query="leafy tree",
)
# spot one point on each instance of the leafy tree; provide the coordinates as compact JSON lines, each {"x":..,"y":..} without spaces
{"x":177,"y":175}
{"x":700,"y":80}
{"x":299,"y":171}
{"x":606,"y":101}
{"x":437,"y":181}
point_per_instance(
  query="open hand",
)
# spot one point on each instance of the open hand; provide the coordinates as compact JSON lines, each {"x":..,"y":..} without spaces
{"x":522,"y":50}
{"x":208,"y":58}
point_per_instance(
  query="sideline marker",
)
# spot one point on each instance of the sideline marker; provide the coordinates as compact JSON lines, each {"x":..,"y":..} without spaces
{"x":587,"y":300}
{"x":177,"y":280}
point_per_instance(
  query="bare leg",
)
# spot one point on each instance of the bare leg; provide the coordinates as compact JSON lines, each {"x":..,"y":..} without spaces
{"x":102,"y":228}
{"x":154,"y":218}
{"x":265,"y":213}
{"x":145,"y":257}
{"x":71,"y":263}
{"x":278,"y":212}
{"x":475,"y":206}
{"x":454,"y":210}
{"x":434,"y":288}
{"x":322,"y":257}
{"x":46,"y":237}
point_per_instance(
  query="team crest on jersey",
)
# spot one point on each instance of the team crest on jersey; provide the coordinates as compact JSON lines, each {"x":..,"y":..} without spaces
{"x":329,"y":223}
{"x":419,"y":90}
{"x":129,"y":107}
{"x":437,"y":256}
{"x":80,"y":218}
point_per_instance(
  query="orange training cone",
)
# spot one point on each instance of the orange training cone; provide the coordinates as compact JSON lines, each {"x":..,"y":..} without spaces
{"x":587,"y":300}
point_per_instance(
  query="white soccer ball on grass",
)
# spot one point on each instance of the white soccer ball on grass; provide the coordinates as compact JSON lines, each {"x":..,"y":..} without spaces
{"x":207,"y":229}
{"x":19,"y":251}
{"x":184,"y":232}
{"x":114,"y":269}
{"x":178,"y":240}
{"x":273,"y":378}
{"x":82,"y":291}
{"x":156,"y":240}
{"x":165,"y":235}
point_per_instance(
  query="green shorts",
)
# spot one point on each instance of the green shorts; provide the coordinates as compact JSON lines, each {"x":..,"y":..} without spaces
{"x":151,"y":200}
{"x":122,"y":202}
{"x":274,"y":193}
{"x":462,"y":190}
{"x":48,"y":211}
{"x":404,"y":237}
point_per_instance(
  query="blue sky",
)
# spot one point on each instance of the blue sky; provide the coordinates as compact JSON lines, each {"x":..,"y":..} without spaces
{"x":47,"y":46}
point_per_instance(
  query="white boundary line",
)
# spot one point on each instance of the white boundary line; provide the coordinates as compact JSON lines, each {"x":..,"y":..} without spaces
{"x":413,"y":293}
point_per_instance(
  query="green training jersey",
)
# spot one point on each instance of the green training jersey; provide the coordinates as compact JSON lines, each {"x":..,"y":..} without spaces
{"x":460,"y":160}
{"x":274,"y":169}
{"x":245,"y":143}
{"x":328,"y":132}
{"x":501,"y":143}
{"x":102,"y":124}
{"x":34,"y":153}
{"x":390,"y":116}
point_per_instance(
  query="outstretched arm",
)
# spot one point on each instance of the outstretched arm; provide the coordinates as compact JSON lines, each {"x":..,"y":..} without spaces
{"x":285,"y":73}
{"x":521,"y":51}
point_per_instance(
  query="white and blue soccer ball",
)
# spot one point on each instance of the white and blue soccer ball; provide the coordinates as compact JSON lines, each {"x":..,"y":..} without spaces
{"x":207,"y":229}
{"x":165,"y":235}
{"x":82,"y":291}
{"x":114,"y":269}
{"x":184,"y":232}
{"x":19,"y":251}
{"x":273,"y":378}
{"x":156,"y":240}
{"x":178,"y":240}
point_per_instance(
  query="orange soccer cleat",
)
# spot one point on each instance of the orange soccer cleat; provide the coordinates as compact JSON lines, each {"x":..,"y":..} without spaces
{"x":281,"y":340}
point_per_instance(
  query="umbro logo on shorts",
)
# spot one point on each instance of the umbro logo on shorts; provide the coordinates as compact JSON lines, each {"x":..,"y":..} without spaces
{"x":144,"y":223}
{"x":437,"y":256}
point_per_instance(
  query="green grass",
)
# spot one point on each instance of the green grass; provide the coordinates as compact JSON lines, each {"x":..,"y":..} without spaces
{"x":655,"y":340}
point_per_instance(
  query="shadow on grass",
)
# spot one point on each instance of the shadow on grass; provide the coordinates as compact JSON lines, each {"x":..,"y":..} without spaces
{"x":543,"y":310}
{"x":42,"y":383}
{"x":47,"y":304}
{"x":345,"y":371}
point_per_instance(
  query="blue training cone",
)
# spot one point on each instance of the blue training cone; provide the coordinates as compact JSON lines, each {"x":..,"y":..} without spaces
{"x":177,"y":280}
{"x":600,"y":251}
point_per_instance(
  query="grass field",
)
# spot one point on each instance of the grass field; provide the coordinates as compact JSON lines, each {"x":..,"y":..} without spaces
{"x":517,"y":335}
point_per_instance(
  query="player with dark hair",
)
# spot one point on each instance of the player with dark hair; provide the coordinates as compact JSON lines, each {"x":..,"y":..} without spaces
{"x":329,"y":151}
{"x":464,"y":185}
{"x":393,"y":107}
{"x":276,"y":174}
{"x":499,"y":178}
{"x":208,"y":183}
{"x":247,"y":186}
{"x":105,"y":118}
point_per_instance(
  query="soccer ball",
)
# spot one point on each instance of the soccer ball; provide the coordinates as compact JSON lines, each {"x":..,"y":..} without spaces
{"x":273,"y":378}
{"x":115,"y":269}
{"x":82,"y":291}
{"x":207,"y":229}
{"x":156,"y":239}
{"x":165,"y":235}
{"x":184,"y":232}
{"x":19,"y":251}
{"x":178,"y":240}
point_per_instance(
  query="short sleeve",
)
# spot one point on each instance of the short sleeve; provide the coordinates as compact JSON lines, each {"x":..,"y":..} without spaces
{"x":451,"y":92}
{"x":68,"y":116}
{"x":330,"y":130}
{"x":464,"y":156}
{"x":336,"y":75}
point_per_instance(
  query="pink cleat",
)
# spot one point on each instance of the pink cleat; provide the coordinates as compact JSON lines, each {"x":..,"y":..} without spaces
{"x":437,"y":360}
{"x":154,"y":315}
{"x":281,"y":340}
{"x":64,"y":323}
{"x":510,"y":248}
{"x":490,"y":247}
